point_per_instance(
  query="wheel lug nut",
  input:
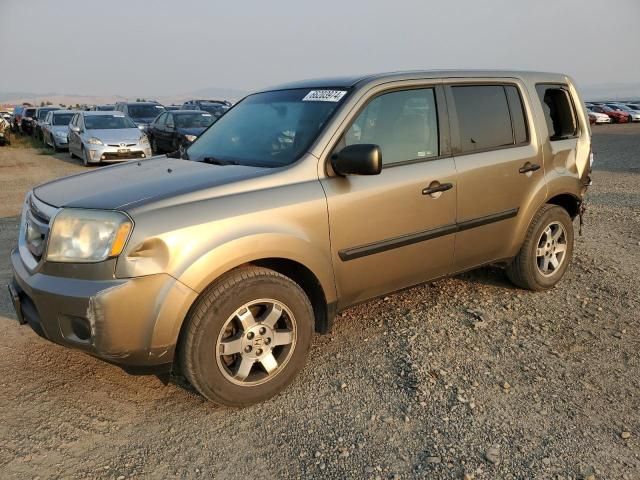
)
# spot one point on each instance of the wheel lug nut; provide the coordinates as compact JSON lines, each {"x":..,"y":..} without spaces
{"x":262,"y":330}
{"x":247,"y":349}
{"x":250,"y":335}
{"x":267,"y":340}
{"x":259,"y":351}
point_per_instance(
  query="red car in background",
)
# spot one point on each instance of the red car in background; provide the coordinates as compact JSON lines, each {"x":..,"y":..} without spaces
{"x":615,"y":115}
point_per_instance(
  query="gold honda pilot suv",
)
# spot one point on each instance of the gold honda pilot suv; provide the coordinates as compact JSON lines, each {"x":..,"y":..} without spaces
{"x":222,"y":260}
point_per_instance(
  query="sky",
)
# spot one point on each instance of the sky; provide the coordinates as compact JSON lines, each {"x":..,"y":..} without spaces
{"x":170,"y":47}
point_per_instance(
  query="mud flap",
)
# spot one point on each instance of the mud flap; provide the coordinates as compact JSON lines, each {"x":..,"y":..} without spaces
{"x":581,"y":211}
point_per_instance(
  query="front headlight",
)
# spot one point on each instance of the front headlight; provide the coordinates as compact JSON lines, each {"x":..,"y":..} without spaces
{"x":87,"y":235}
{"x":94,"y":141}
{"x":190,"y":138}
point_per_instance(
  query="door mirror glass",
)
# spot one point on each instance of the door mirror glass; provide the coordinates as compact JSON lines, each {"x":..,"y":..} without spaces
{"x":359,"y":159}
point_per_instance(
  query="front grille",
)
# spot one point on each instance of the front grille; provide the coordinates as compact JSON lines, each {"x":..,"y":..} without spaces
{"x":122,"y":156}
{"x":121,"y":146}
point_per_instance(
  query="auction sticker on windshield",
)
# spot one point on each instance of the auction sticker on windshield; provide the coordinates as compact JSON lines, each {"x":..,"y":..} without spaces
{"x":324,"y":96}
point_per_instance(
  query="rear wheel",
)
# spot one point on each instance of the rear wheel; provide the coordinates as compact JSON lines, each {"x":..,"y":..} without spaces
{"x":247,"y":337}
{"x":546,"y":251}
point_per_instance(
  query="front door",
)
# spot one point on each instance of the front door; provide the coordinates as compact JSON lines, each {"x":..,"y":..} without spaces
{"x":395,"y":229}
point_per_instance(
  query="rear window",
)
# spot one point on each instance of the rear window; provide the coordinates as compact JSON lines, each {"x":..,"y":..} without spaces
{"x":559,"y":112}
{"x":483,"y":117}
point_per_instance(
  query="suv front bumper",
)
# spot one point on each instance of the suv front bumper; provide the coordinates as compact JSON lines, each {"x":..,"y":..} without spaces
{"x":133,"y":322}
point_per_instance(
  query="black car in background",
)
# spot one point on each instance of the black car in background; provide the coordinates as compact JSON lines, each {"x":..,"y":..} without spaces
{"x":28,"y":120}
{"x":217,"y":108}
{"x":177,"y":129}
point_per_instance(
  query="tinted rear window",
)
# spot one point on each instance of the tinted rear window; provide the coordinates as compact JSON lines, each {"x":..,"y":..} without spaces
{"x":483,"y":117}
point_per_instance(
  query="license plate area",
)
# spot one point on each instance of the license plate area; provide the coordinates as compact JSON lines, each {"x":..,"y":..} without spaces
{"x":123,"y":150}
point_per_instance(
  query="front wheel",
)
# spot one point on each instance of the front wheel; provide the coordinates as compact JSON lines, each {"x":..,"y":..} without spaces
{"x":546,"y":251}
{"x":247,"y":337}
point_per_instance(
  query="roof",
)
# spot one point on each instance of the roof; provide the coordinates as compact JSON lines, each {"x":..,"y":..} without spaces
{"x":357,"y":80}
{"x":92,"y":113}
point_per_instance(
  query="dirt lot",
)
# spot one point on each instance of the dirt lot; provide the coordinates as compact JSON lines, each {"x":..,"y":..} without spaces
{"x":465,"y":376}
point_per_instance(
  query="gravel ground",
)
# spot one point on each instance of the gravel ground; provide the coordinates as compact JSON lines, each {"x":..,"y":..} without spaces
{"x":462,"y":378}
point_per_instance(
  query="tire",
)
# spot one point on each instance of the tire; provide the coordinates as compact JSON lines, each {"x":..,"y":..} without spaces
{"x":533,"y":268}
{"x":71,"y":154}
{"x":154,"y":146}
{"x":216,"y":317}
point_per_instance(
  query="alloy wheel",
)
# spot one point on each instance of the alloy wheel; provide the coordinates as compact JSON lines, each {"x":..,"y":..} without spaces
{"x":256,"y":342}
{"x":551,"y":250}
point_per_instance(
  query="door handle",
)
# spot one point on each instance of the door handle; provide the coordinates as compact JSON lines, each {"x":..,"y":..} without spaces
{"x":529,"y":167}
{"x":443,"y":187}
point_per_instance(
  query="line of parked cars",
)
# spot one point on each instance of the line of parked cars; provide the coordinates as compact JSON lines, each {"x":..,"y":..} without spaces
{"x":117,"y":132}
{"x":613,"y":112}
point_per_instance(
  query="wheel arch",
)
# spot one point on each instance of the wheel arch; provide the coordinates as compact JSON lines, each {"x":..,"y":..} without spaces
{"x":568,"y":201}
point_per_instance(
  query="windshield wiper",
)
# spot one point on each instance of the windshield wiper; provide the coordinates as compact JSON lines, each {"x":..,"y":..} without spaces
{"x":218,"y":161}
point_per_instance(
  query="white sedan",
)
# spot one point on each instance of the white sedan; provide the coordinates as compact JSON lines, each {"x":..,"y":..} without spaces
{"x":600,"y":117}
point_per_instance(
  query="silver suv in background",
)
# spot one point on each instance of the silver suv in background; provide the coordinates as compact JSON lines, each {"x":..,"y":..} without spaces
{"x":142,"y":113}
{"x":217,"y":108}
{"x":97,"y":137}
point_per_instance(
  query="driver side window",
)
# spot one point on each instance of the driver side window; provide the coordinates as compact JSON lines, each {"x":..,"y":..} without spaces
{"x":404,"y":124}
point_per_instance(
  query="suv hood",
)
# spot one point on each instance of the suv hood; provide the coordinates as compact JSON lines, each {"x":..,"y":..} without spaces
{"x":135,"y":183}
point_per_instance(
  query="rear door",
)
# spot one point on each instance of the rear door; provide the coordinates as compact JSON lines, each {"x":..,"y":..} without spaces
{"x":499,"y":167}
{"x":387,"y":231}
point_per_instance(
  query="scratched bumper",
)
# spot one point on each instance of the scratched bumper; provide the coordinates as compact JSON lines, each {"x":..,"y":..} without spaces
{"x":132,"y":322}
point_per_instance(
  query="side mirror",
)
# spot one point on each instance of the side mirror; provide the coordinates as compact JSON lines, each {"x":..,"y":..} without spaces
{"x":362,"y":159}
{"x":74,"y":128}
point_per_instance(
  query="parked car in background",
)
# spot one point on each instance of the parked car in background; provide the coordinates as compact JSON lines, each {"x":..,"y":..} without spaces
{"x":176,"y":130}
{"x":97,"y":137}
{"x":55,"y":129}
{"x":5,"y":131}
{"x":217,"y":108}
{"x":41,"y":114}
{"x":103,"y":108}
{"x":634,"y":116}
{"x":171,"y":108}
{"x":598,"y":117}
{"x":16,"y":117}
{"x":142,"y":113}
{"x":615,"y":115}
{"x":28,"y":120}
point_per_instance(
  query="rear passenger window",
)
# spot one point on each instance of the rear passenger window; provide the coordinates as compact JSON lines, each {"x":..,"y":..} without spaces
{"x":520,"y":134}
{"x":483,"y":117}
{"x":403,"y":124}
{"x":558,"y":111}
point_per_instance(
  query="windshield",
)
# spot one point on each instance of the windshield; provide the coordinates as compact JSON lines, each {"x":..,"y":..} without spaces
{"x":107,"y":122}
{"x":62,"y":118}
{"x":145,"y":111}
{"x":268,"y":129}
{"x":43,"y":112}
{"x":29,"y":112}
{"x":105,"y":108}
{"x":193,"y":120}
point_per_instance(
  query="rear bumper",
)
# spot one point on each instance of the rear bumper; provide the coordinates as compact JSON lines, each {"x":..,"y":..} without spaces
{"x":131,"y":322}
